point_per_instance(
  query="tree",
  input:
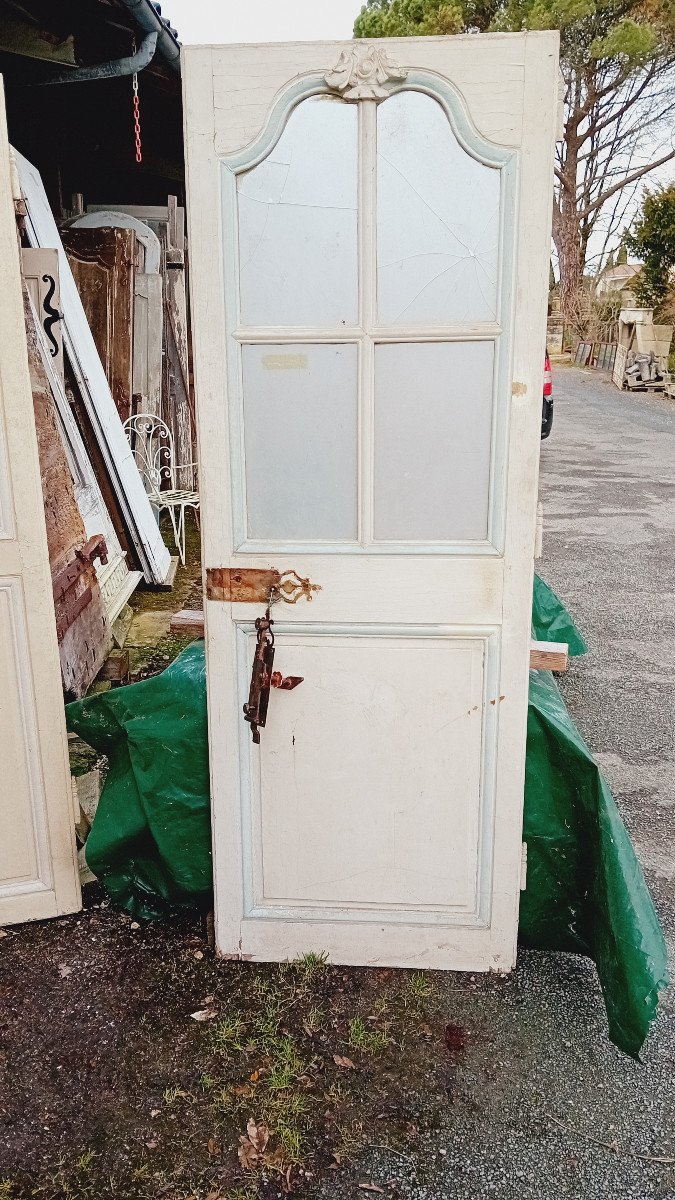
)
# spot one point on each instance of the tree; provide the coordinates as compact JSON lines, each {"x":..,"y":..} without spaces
{"x":617,"y":59}
{"x":652,"y":239}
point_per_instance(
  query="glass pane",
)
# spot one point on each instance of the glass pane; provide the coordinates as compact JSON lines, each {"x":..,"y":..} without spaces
{"x":300,"y":436}
{"x":438,"y":219}
{"x":433,"y":419}
{"x":298,"y":222}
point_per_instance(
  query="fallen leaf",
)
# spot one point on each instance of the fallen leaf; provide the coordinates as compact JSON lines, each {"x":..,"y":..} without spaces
{"x":255,"y":1077}
{"x":341,"y":1061}
{"x":208,"y":1000}
{"x":204,"y":1014}
{"x":258,"y":1135}
{"x":3,"y":933}
{"x":214,"y":1195}
{"x":65,"y":971}
{"x":152,"y":1145}
{"x":198,"y":954}
{"x":371,"y":1187}
{"x":134,"y":925}
{"x":214,"y":1146}
{"x":248,"y":1155}
{"x":154,"y":1112}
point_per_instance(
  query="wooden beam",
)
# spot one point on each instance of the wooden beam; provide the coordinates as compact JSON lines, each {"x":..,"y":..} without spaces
{"x":189,"y":621}
{"x":549,"y":656}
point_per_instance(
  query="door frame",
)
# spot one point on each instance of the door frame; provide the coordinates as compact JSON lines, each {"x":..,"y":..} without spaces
{"x":43,"y":826}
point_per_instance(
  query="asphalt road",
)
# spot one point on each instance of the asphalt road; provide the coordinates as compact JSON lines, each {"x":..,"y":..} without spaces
{"x":608,"y":488}
{"x":537,"y":1050}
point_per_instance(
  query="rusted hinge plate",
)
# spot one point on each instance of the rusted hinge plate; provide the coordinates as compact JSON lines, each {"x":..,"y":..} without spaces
{"x":243,"y":585}
{"x":257,"y":585}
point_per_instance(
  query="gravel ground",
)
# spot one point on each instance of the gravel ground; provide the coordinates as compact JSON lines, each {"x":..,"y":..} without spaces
{"x":539,"y":1051}
{"x":502,"y":1087}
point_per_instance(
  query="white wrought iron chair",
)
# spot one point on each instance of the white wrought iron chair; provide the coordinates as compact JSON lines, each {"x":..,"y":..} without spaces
{"x":152,"y":446}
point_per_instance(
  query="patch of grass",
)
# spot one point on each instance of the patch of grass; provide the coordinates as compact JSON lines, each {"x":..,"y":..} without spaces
{"x":369,"y":1041}
{"x":290,"y":1141}
{"x":349,"y":1142}
{"x":417,"y":990}
{"x":229,"y":1034}
{"x":311,"y":965}
{"x":336,"y":1094}
{"x":7,"y":1191}
{"x":315,"y":1019}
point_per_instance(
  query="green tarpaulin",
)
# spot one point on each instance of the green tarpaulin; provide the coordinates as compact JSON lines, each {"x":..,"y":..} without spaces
{"x":150,"y":843}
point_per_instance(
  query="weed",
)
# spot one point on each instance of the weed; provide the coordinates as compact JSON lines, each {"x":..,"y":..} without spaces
{"x":315,"y":1019}
{"x":370,"y":1041}
{"x":290,"y":1140}
{"x":286,"y":1066}
{"x":229,"y":1034}
{"x":284,"y":1108}
{"x":85,"y":1161}
{"x":418,"y":988}
{"x":7,"y":1189}
{"x":232,"y":1100}
{"x":350,"y":1141}
{"x":309,"y":966}
{"x":336,"y":1094}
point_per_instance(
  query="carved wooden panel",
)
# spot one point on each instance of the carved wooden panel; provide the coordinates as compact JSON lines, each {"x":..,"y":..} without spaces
{"x":103,"y":264}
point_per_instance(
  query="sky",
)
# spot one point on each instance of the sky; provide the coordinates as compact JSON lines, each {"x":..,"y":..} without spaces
{"x":261,"y":20}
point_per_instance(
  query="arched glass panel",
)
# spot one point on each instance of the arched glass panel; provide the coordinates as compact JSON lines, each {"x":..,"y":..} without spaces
{"x":298,"y":222}
{"x":437,"y":219}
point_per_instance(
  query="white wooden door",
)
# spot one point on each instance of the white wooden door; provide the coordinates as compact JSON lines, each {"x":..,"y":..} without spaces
{"x":38,"y":865}
{"x":369,"y":232}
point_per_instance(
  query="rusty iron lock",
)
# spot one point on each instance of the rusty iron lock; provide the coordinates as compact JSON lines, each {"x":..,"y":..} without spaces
{"x":263,"y":677}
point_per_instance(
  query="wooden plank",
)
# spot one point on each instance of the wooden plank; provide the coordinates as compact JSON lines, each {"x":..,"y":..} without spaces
{"x":549,"y":656}
{"x":82,"y":624}
{"x":189,"y":621}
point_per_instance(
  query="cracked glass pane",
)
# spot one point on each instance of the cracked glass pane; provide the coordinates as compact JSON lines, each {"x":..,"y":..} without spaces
{"x":433,"y":423}
{"x":298,"y":222}
{"x":300,"y":441}
{"x":438,"y":219}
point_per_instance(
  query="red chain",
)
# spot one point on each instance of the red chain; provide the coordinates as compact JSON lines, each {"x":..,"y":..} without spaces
{"x":137,"y":118}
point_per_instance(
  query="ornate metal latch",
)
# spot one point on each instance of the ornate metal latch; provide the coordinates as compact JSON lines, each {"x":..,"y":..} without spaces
{"x":288,"y":587}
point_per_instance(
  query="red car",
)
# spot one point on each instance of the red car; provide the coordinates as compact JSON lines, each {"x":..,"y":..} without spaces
{"x":547,"y":410}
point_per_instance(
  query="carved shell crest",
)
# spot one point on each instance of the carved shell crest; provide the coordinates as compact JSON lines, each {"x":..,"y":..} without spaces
{"x":362,"y":73}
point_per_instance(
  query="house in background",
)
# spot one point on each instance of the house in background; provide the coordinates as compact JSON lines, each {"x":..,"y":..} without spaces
{"x":613,"y":280}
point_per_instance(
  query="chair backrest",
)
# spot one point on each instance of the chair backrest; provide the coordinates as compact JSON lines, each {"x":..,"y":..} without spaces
{"x":151,"y":443}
